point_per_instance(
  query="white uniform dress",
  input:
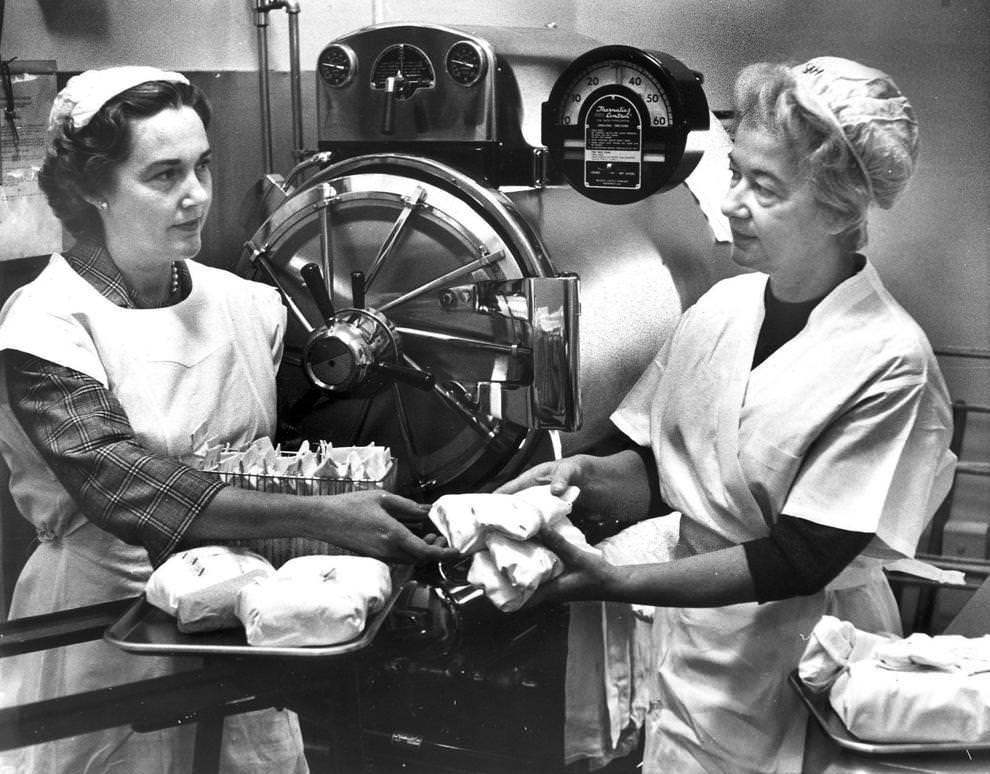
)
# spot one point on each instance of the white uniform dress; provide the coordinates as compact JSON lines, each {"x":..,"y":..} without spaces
{"x":204,"y":367}
{"x":846,"y":425}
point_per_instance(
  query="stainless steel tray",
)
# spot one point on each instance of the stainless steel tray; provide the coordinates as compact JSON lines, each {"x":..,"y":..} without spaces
{"x":833,"y":727}
{"x":143,"y":628}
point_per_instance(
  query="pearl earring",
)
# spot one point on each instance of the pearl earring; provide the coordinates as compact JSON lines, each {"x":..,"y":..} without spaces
{"x":102,"y":205}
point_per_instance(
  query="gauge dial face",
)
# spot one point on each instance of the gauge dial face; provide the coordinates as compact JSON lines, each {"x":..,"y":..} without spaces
{"x":618,"y":120}
{"x":336,"y":65}
{"x":407,"y":64}
{"x":465,"y":62}
{"x":611,"y":73}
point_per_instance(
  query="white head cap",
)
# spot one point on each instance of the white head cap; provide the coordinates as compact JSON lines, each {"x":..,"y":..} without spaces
{"x":86,"y":93}
{"x":870,"y":114}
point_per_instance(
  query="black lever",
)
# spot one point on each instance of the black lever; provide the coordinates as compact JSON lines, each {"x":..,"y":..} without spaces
{"x":388,"y":117}
{"x":421,"y":380}
{"x":313,"y":278}
{"x":357,"y":289}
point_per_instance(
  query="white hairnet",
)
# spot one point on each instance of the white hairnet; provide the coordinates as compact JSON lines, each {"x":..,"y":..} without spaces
{"x":86,"y":93}
{"x":872,"y":116}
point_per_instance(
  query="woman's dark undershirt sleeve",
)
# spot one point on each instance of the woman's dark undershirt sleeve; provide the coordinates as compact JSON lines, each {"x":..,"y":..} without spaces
{"x":800,"y":557}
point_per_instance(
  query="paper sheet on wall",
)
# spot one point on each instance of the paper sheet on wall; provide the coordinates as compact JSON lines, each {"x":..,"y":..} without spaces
{"x":709,"y":182}
{"x":27,"y":225}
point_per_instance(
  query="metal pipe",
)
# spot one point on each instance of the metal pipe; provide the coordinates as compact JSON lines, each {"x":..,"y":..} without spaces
{"x":295,"y":80}
{"x":261,"y":22}
{"x":262,"y":8}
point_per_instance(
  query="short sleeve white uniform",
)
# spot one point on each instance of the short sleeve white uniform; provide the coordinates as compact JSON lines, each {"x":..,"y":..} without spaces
{"x":846,"y":425}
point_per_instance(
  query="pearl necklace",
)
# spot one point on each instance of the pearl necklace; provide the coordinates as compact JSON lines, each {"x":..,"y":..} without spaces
{"x":142,"y":301}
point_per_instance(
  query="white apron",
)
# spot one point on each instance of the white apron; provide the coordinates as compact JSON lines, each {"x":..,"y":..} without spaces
{"x":846,"y":425}
{"x":202,"y":369}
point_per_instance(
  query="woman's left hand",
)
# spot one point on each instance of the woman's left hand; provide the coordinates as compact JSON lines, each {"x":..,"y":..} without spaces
{"x":587,"y":574}
{"x":374,"y":523}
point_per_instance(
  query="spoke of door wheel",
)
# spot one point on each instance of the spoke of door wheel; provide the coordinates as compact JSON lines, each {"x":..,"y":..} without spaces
{"x":446,"y":279}
{"x":449,"y":399}
{"x":411,"y":203}
{"x":326,"y":249}
{"x":412,"y":455}
{"x":261,"y":261}
{"x":513,"y":350}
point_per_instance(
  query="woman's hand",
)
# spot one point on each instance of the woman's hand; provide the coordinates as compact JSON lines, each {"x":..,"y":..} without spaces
{"x":560,"y":474}
{"x":373,"y":523}
{"x":587,"y":575}
{"x":613,"y":487}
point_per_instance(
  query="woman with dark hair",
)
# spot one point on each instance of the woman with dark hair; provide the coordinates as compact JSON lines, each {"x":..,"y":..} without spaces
{"x":796,"y":423}
{"x":121,"y":359}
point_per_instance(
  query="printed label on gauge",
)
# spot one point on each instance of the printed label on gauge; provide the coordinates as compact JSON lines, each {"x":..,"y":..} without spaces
{"x":613,"y":144}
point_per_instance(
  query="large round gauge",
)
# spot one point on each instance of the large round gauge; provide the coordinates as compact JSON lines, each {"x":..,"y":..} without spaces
{"x":336,"y":65}
{"x":407,"y":66}
{"x":618,"y":123}
{"x":465,"y":62}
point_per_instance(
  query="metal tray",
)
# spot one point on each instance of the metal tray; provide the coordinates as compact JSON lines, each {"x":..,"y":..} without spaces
{"x":833,"y":727}
{"x":145,"y":629}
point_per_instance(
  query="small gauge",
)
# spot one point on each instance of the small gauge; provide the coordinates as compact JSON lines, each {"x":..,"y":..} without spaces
{"x":407,"y":66}
{"x":465,"y":62}
{"x":618,"y":121}
{"x":336,"y":65}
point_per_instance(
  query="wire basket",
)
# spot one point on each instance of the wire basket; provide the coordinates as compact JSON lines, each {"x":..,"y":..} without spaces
{"x":280,"y":550}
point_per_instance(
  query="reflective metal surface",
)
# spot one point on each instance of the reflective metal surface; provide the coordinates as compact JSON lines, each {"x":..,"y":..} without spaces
{"x":492,"y":305}
{"x":455,"y":287}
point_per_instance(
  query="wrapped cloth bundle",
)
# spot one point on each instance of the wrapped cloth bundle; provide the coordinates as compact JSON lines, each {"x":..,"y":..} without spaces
{"x":370,"y":577}
{"x":499,"y":530}
{"x":293,"y":612}
{"x":917,"y":689}
{"x":313,"y":600}
{"x":199,"y":586}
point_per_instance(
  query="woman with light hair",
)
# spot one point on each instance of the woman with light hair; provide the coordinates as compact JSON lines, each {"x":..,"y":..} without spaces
{"x":796,"y":420}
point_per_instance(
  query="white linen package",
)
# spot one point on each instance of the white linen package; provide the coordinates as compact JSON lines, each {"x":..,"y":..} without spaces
{"x":309,"y":600}
{"x":498,"y":530}
{"x":313,"y":600}
{"x":199,"y":586}
{"x":918,"y":689}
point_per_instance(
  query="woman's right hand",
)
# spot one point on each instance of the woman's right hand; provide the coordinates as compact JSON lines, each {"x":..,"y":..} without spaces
{"x":559,"y":474}
{"x":370,"y":523}
{"x":614,"y":486}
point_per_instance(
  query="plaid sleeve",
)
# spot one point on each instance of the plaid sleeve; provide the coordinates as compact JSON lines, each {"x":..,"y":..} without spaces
{"x":83,"y":433}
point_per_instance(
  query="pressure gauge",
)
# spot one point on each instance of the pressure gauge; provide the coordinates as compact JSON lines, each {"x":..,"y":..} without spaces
{"x":465,"y":62}
{"x":404,"y":68}
{"x":336,"y":65}
{"x":619,"y":123}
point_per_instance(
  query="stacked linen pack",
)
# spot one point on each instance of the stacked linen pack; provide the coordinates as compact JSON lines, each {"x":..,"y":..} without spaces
{"x":199,"y":587}
{"x":314,"y":600}
{"x":310,"y":600}
{"x":918,"y":689}
{"x":499,"y":530}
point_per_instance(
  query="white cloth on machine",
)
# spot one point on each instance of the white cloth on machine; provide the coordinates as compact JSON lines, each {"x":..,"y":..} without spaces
{"x":610,"y":676}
